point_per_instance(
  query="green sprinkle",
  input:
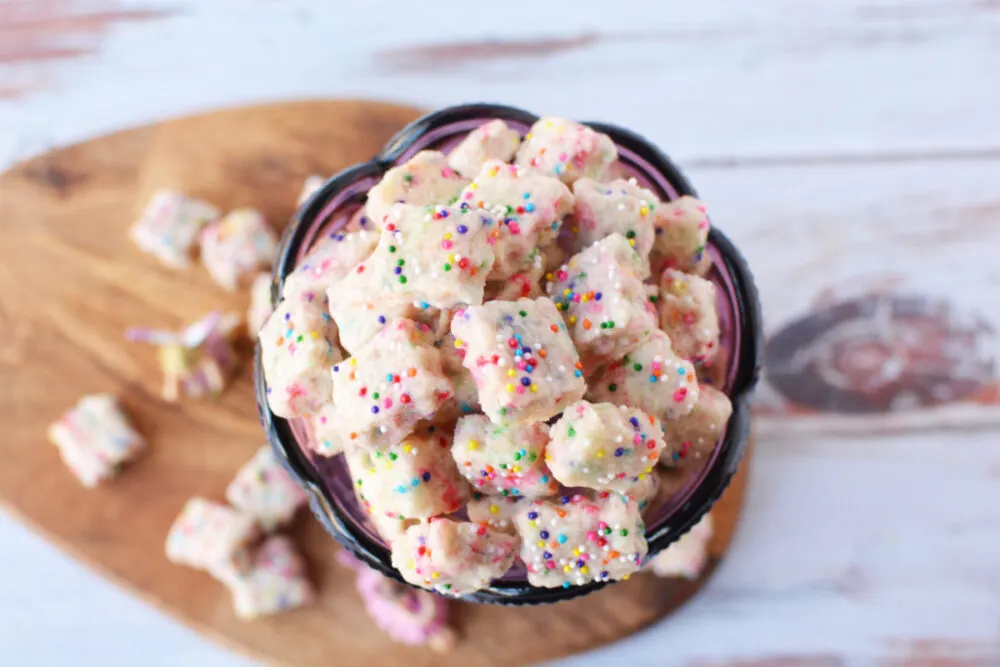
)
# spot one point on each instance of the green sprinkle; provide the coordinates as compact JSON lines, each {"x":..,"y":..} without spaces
{"x":517,"y":457}
{"x":612,"y":387}
{"x":375,"y":395}
{"x":392,"y":248}
{"x":447,"y":587}
{"x":571,"y":432}
{"x":392,"y":456}
{"x":407,"y":178}
{"x":400,"y":262}
{"x":523,"y":313}
{"x":299,"y":339}
{"x":505,"y":493}
{"x":637,"y":367}
{"x":630,"y":234}
{"x":532,"y":456}
{"x":447,"y":267}
{"x":402,"y":280}
{"x":624,"y":533}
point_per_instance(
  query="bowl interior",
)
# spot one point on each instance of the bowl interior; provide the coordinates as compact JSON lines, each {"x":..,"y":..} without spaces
{"x":342,"y":207}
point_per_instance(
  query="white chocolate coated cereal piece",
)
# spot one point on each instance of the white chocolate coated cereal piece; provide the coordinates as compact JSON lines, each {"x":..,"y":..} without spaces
{"x":453,"y":557}
{"x":692,"y":438}
{"x":524,"y":285}
{"x":361,"y":311}
{"x":566,"y":150}
{"x":603,"y":446}
{"x":426,"y":179}
{"x":689,"y":316}
{"x":681,"y":229}
{"x":393,"y":382}
{"x":237,"y":246}
{"x":494,"y":140}
{"x":211,"y":537}
{"x":329,"y":262}
{"x":651,"y":378}
{"x":576,"y":540}
{"x":619,"y":207}
{"x":641,"y":493}
{"x":413,"y":479}
{"x":466,"y":399}
{"x":528,"y":208}
{"x":297,"y":353}
{"x":521,"y":358}
{"x":603,"y":301}
{"x":687,"y":556}
{"x":504,"y":460}
{"x":169,"y":226}
{"x":95,"y":438}
{"x":324,"y":428}
{"x":260,"y":303}
{"x":263,"y":489}
{"x":275,"y":583}
{"x":497,"y":511}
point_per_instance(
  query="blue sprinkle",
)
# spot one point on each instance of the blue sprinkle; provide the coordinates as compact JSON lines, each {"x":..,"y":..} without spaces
{"x":544,"y":534}
{"x":514,"y":492}
{"x":527,"y":195}
{"x":545,"y":479}
{"x":529,"y":368}
{"x":398,"y":270}
{"x":529,"y":208}
{"x":415,"y":482}
{"x":374,"y":409}
{"x":532,"y":515}
{"x":578,"y":373}
{"x":336,"y":369}
{"x":523,"y":452}
{"x":580,"y":563}
{"x":564,"y":500}
{"x":462,"y":229}
{"x":426,"y":476}
{"x":634,"y":421}
{"x":597,"y":297}
{"x":619,"y":451}
{"x":652,"y":378}
{"x":565,"y":584}
{"x":680,"y":370}
{"x":526,"y":382}
{"x":381,"y":319}
{"x":561,"y":539}
{"x":546,"y":554}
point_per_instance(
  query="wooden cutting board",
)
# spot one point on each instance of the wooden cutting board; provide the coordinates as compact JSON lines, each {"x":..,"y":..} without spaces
{"x":71,"y":282}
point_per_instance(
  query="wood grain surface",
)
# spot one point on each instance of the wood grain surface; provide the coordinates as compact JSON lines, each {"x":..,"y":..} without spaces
{"x":71,"y":282}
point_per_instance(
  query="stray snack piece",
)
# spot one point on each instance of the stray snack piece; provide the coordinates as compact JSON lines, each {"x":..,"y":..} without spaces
{"x":199,"y":360}
{"x":619,"y":207}
{"x":414,"y":479}
{"x":95,"y":438}
{"x":566,"y":150}
{"x":260,"y":303}
{"x":393,"y":382}
{"x":603,"y":446}
{"x":491,"y":141}
{"x":297,"y":352}
{"x":497,"y":511}
{"x":528,"y":208}
{"x":603,"y":301}
{"x":237,"y":246}
{"x":504,"y":460}
{"x":682,"y":227}
{"x":275,"y":582}
{"x":426,"y":179}
{"x":651,"y":378}
{"x":575,"y":540}
{"x":169,"y":226}
{"x":328,"y":262}
{"x":689,"y":316}
{"x":264,"y":490}
{"x":453,"y":557}
{"x":521,"y":358}
{"x":692,"y":438}
{"x":407,"y":615}
{"x":211,"y":537}
{"x":687,"y":556}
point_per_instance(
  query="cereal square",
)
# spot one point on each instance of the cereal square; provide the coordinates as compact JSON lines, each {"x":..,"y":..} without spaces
{"x":466,"y":399}
{"x":275,"y":583}
{"x":689,"y":316}
{"x":491,"y":141}
{"x":211,"y":537}
{"x":95,"y":438}
{"x":426,"y":179}
{"x":566,"y":150}
{"x":521,"y":358}
{"x":692,"y":438}
{"x":619,"y":207}
{"x":575,"y":540}
{"x":237,"y":246}
{"x":682,"y":227}
{"x":169,"y":226}
{"x":603,"y":446}
{"x":497,"y":511}
{"x":688,"y":556}
{"x":393,"y":382}
{"x":328,"y":262}
{"x":263,"y":489}
{"x":504,"y":460}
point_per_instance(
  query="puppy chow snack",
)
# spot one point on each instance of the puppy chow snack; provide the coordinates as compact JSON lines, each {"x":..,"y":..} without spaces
{"x":503,"y":460}
{"x":95,"y":438}
{"x":169,"y":227}
{"x":426,"y":179}
{"x":567,"y":150}
{"x":491,"y":141}
{"x":263,"y":489}
{"x":211,"y":537}
{"x":275,"y":582}
{"x":617,"y":207}
{"x":237,"y":246}
{"x":691,"y":439}
{"x":689,"y":316}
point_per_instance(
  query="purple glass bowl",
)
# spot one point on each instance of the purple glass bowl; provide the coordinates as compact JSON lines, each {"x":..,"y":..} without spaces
{"x":327,"y":481}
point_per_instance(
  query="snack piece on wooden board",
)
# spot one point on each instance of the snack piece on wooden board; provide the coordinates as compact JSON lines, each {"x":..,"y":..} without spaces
{"x":413,"y":479}
{"x":688,"y":556}
{"x":95,"y":438}
{"x":297,"y":351}
{"x":260,"y":303}
{"x":575,"y":540}
{"x":169,"y":226}
{"x":603,"y":301}
{"x":503,"y":460}
{"x":424,"y":180}
{"x":237,"y":246}
{"x":393,"y":382}
{"x":453,"y":557}
{"x":651,"y":378}
{"x":618,"y":207}
{"x":328,"y":262}
{"x":521,"y":358}
{"x":604,"y":446}
{"x":310,"y":186}
{"x":494,"y":140}
{"x":527,"y":207}
{"x":567,"y":150}
{"x":199,"y":360}
{"x":275,"y":581}
{"x":497,"y":511}
{"x":691,"y":439}
{"x":212,"y":537}
{"x":682,"y":227}
{"x":263,"y":489}
{"x":407,"y":615}
{"x":689,"y":316}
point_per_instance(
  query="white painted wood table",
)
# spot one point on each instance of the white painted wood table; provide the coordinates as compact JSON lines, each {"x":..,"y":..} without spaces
{"x":850,"y":147}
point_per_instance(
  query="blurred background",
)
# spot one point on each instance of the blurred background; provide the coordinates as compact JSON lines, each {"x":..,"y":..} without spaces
{"x":851,"y":148}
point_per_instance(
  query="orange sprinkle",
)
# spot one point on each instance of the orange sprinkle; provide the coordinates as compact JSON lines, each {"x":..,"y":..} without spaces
{"x":554,"y":328}
{"x":613,"y":554}
{"x":411,"y":372}
{"x":354,"y":436}
{"x":586,"y":325}
{"x":561,"y":513}
{"x":579,"y":366}
{"x":543,"y":354}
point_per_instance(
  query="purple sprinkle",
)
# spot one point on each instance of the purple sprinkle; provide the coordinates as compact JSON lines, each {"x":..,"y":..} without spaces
{"x":597,"y":297}
{"x":426,"y":477}
{"x":381,"y":319}
{"x":532,"y":515}
{"x":398,"y":270}
{"x":462,"y":229}
{"x":619,"y":451}
{"x":374,"y":409}
{"x":544,"y":534}
{"x":526,"y":382}
{"x":634,"y":422}
{"x":546,"y":554}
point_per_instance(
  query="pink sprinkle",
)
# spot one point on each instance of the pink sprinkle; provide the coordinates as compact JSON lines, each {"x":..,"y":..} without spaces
{"x":688,"y":318}
{"x":446,"y":245}
{"x":514,"y":228}
{"x":576,"y":298}
{"x":680,"y":394}
{"x":550,"y":564}
{"x":563,"y":157}
{"x":447,"y":172}
{"x":657,"y":365}
{"x":520,"y":389}
{"x":637,"y":439}
{"x":387,"y":403}
{"x":467,"y":195}
{"x":592,"y":536}
{"x":601,"y":525}
{"x":679,"y":213}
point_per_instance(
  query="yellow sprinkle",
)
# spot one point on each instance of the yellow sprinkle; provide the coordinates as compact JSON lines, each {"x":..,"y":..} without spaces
{"x":541,"y":544}
{"x":515,"y":470}
{"x":631,"y":242}
{"x":435,"y":575}
{"x":548,"y":276}
{"x":411,"y":565}
{"x":567,"y":292}
{"x":473,"y":445}
{"x":644,"y":211}
{"x":528,"y":136}
{"x":474,"y":186}
{"x":494,"y":509}
{"x":511,"y":373}
{"x":566,"y":568}
{"x":534,"y":388}
{"x":458,"y":342}
{"x":643,"y":475}
{"x":451,"y":257}
{"x":315,"y":335}
{"x":510,"y":388}
{"x":600,"y":454}
{"x":447,"y":236}
{"x":583,"y":570}
{"x":626,"y":577}
{"x":354,"y":361}
{"x":572,"y":319}
{"x":407,"y":448}
{"x":576,"y":552}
